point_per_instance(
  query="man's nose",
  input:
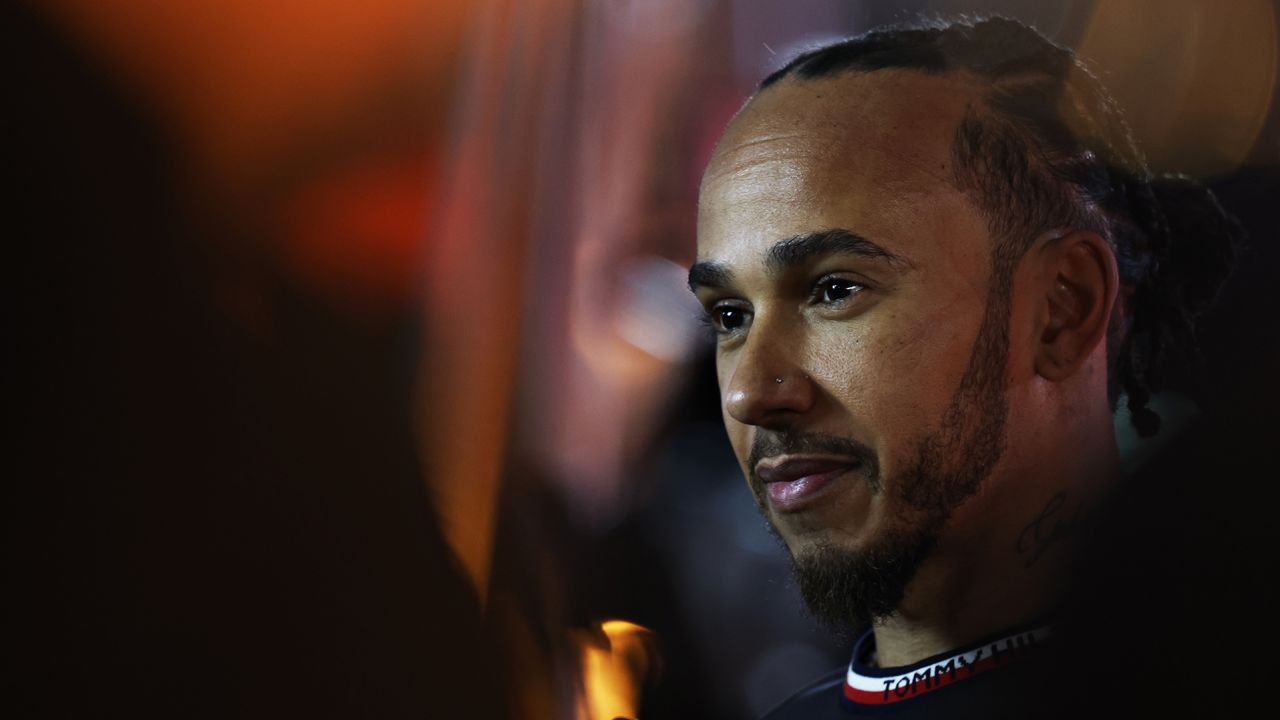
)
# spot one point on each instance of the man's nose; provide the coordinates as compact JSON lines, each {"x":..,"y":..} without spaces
{"x":768,"y":387}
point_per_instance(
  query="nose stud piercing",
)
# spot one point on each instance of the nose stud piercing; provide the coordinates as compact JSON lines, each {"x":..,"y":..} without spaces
{"x":778,"y":380}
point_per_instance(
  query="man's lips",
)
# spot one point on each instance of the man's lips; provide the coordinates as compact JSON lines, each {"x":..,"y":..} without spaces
{"x":792,"y":481}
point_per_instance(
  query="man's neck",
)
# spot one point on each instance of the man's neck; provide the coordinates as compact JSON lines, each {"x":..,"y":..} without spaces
{"x":975,"y":608}
{"x":1003,"y":562}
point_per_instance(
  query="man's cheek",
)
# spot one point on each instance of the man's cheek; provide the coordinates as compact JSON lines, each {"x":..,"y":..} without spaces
{"x":740,"y":438}
{"x":928,"y":348}
{"x":879,"y":355}
{"x":908,"y":376}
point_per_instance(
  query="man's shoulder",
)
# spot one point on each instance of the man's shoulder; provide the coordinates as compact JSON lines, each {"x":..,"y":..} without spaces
{"x":819,"y":699}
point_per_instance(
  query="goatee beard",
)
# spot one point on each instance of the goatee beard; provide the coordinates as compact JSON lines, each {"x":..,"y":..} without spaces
{"x":846,"y":590}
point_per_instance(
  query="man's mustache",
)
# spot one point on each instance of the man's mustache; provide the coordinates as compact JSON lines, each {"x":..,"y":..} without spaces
{"x":769,"y":444}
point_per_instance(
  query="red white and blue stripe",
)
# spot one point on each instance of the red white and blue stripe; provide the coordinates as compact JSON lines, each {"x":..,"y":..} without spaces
{"x":866,"y":685}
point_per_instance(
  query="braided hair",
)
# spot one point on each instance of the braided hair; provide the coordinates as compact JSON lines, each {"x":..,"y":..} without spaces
{"x":1048,"y":147}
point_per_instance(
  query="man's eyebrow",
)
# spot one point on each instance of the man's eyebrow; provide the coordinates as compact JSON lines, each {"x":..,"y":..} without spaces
{"x":709,"y":275}
{"x":797,"y":250}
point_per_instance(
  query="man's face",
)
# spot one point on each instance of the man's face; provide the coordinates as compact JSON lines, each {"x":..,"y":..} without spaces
{"x":860,"y":357}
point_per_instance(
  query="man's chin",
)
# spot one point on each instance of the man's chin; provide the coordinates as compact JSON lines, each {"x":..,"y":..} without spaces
{"x":848,"y":588}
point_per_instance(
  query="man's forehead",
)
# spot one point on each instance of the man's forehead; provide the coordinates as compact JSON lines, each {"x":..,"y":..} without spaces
{"x":897,"y":116}
{"x":867,"y":149}
{"x":883,"y":103}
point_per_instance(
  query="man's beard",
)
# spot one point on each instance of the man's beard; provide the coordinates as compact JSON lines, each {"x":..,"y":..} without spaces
{"x":848,"y":589}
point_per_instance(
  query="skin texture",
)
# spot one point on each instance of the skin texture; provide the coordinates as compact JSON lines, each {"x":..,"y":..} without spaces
{"x":877,"y":356}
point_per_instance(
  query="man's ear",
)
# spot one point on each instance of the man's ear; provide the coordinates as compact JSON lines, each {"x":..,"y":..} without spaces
{"x":1076,"y":288}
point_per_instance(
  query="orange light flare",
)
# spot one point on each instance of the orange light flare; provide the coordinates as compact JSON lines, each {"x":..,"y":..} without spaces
{"x":618,"y":659}
{"x":1196,"y":80}
{"x":249,"y":85}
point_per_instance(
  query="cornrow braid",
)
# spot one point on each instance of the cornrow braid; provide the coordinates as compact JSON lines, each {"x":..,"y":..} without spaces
{"x":1047,"y":147}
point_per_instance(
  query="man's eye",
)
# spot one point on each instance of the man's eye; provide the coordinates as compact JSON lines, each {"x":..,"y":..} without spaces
{"x":728,"y":319}
{"x":835,"y":290}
